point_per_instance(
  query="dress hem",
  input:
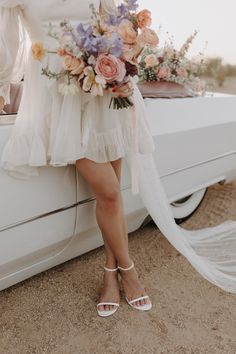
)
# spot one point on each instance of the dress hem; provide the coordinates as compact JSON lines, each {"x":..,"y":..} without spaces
{"x":24,"y":153}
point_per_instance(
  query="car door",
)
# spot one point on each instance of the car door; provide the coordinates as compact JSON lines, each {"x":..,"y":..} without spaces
{"x":37,"y":216}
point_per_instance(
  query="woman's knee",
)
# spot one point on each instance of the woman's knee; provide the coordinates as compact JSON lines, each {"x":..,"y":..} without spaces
{"x":103,"y":181}
{"x":110,"y":198}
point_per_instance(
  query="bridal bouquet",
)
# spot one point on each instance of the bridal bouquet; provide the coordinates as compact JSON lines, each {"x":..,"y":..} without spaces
{"x":102,"y":54}
{"x":171,"y":65}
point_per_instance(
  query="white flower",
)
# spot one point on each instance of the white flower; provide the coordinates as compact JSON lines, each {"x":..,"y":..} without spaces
{"x":66,"y":40}
{"x":98,"y":85}
{"x":93,"y":83}
{"x":68,"y":89}
{"x":92,"y":60}
{"x":89,"y":77}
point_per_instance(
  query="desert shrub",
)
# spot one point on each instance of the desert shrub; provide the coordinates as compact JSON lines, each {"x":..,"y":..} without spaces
{"x":216,"y":69}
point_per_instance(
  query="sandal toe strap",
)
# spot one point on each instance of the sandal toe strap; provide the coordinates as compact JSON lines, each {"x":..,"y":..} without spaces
{"x":108,"y":303}
{"x":139,"y":298}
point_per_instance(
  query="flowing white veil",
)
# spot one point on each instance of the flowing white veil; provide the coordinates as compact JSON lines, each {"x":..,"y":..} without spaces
{"x":212,"y":250}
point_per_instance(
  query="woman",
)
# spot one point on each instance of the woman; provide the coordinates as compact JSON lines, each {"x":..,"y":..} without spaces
{"x":81,"y":130}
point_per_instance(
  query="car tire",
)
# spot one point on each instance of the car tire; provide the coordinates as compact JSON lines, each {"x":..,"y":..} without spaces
{"x":183,"y":208}
{"x":186,"y":207}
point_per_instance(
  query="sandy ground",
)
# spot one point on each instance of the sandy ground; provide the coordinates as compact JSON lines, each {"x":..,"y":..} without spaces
{"x":54,"y":312}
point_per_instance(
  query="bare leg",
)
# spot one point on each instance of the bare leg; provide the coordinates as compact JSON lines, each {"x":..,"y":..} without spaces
{"x":95,"y":175}
{"x":130,"y":279}
{"x":105,"y":185}
{"x":111,"y":261}
{"x":109,"y":210}
{"x":117,"y":164}
{"x":110,"y":279}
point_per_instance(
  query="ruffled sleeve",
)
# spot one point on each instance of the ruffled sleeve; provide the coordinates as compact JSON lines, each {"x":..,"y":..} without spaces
{"x":12,"y":45}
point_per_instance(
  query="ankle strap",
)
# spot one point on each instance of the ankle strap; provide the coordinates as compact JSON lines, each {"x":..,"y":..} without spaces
{"x":132,"y":265}
{"x":110,"y":270}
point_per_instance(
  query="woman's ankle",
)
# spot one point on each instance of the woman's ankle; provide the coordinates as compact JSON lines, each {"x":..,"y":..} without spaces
{"x":111,"y":263}
{"x":125,"y":263}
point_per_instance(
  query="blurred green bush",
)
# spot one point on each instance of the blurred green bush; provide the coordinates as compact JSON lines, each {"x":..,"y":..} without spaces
{"x":216,"y":69}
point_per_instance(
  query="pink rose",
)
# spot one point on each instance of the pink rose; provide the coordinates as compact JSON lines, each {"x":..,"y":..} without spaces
{"x":127,"y":32}
{"x":181,"y":72}
{"x":163,"y":73}
{"x":148,"y":37}
{"x":110,"y":68}
{"x":150,"y":60}
{"x":144,"y":19}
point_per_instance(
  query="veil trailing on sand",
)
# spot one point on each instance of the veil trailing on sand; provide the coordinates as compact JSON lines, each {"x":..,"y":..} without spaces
{"x":212,"y":250}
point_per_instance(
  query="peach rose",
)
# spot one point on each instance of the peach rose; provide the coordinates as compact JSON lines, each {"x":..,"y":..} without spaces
{"x":148,"y":37}
{"x":128,"y":52}
{"x":144,"y":19}
{"x":38,"y":50}
{"x":127,"y":32}
{"x":131,"y":52}
{"x":74,"y":65}
{"x":163,"y":73}
{"x":110,"y":68}
{"x":150,"y":60}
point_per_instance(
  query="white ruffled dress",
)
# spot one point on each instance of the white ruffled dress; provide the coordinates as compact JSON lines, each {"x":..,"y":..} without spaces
{"x":56,"y":130}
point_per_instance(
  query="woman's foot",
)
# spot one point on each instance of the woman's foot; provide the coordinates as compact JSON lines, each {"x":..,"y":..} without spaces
{"x":110,"y":291}
{"x":133,"y":287}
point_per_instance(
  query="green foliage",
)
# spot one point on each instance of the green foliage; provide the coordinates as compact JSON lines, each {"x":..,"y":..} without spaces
{"x":217,"y":70}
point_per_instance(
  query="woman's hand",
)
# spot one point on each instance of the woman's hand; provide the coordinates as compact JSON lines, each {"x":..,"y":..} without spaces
{"x":123,"y":90}
{"x":2,"y":103}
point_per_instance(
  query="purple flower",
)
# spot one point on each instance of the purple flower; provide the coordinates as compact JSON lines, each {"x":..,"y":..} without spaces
{"x":84,"y":32}
{"x":90,"y":44}
{"x":132,"y":5}
{"x":112,"y":45}
{"x":112,"y":20}
{"x":102,"y":44}
{"x":123,"y":10}
{"x":82,"y":35}
{"x":116,"y":47}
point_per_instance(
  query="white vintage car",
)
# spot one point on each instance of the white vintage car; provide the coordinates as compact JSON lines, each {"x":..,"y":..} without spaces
{"x":50,"y":219}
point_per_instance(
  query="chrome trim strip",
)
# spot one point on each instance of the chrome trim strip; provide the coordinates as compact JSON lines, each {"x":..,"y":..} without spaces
{"x":194,"y":165}
{"x":19,"y":223}
{"x":74,"y":205}
{"x":199,"y":163}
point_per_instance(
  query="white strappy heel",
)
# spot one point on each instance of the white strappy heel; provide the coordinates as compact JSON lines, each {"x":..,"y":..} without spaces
{"x":144,"y":307}
{"x":106,"y":313}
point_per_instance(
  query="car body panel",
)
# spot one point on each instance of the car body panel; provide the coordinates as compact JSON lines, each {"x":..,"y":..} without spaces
{"x":49,"y":219}
{"x":54,"y":188}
